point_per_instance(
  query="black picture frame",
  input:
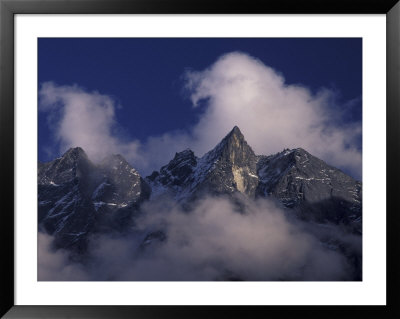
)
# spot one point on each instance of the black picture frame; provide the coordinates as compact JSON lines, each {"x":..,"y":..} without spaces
{"x":8,"y":10}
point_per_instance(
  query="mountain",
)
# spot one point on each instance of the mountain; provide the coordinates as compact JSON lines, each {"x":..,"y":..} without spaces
{"x":311,"y":187}
{"x":228,"y":168}
{"x":77,"y":198}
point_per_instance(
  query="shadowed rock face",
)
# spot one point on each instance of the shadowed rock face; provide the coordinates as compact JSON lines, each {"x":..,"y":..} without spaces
{"x":77,"y":198}
{"x":73,"y":164}
{"x":122,"y":184}
{"x":178,"y":172}
{"x":314,"y":189}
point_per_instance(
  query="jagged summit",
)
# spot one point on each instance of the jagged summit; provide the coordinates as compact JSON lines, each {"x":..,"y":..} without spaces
{"x":176,"y":174}
{"x":75,"y":153}
{"x":103,"y":193}
{"x":294,"y":177}
{"x":228,"y":168}
{"x":234,"y":135}
{"x":79,"y":200}
{"x":233,"y":166}
{"x":187,"y":153}
{"x":307,"y":184}
{"x":233,"y":148}
{"x":77,"y":197}
{"x":236,"y":132}
{"x":72,"y":164}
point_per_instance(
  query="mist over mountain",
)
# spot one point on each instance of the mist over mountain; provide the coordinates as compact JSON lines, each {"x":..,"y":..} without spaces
{"x":228,"y":215}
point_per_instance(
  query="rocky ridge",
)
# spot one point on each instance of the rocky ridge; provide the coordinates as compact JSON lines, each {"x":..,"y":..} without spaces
{"x":77,"y":198}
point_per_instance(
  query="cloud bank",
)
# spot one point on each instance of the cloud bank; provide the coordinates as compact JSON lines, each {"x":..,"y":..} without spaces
{"x":86,"y":119}
{"x":56,"y":265}
{"x":236,"y":90}
{"x":212,"y":242}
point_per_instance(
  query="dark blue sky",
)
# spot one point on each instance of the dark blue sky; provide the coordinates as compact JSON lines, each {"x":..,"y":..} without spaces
{"x":145,"y":75}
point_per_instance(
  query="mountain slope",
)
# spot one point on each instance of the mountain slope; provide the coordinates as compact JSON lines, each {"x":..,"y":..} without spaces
{"x":77,"y":198}
{"x":228,"y":168}
{"x":314,"y":189}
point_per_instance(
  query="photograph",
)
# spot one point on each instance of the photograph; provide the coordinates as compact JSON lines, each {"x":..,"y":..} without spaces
{"x":175,"y":159}
{"x":199,"y":159}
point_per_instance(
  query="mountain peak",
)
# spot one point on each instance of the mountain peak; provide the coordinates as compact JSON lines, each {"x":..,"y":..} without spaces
{"x":235,"y":132}
{"x":230,"y":166}
{"x":184,"y":154}
{"x":72,"y":164}
{"x":236,"y":129}
{"x":233,"y":147}
{"x":75,"y":152}
{"x":74,"y":156}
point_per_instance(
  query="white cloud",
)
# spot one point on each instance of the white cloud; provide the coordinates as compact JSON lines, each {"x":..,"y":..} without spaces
{"x":211,"y":242}
{"x":80,"y":118}
{"x":241,"y":90}
{"x":56,"y":264}
{"x":236,"y":90}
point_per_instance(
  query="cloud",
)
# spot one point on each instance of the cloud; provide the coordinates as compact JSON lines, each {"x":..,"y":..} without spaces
{"x":236,"y":90}
{"x":240,"y":90}
{"x":56,"y":264}
{"x":212,"y":242}
{"x":85,"y":119}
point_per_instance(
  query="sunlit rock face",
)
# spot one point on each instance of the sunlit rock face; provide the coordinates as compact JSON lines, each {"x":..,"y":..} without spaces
{"x":234,"y":166}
